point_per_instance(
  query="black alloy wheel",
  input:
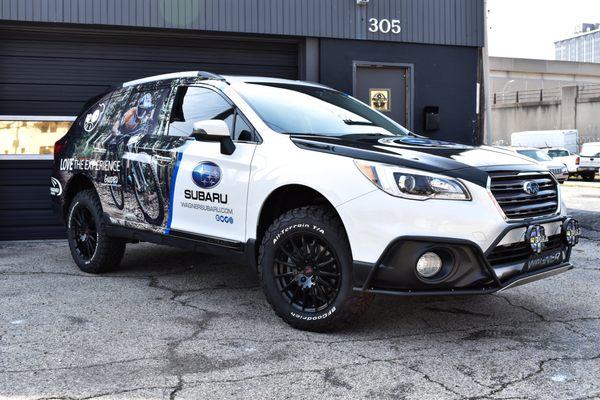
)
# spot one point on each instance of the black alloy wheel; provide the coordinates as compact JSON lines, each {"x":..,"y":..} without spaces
{"x":307,"y":272}
{"x":93,"y":249}
{"x":84,"y":231}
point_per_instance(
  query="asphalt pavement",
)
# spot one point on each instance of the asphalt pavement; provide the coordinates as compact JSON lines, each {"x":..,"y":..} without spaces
{"x":177,"y":324}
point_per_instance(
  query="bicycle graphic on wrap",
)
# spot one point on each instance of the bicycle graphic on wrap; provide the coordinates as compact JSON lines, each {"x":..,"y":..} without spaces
{"x":138,"y":169}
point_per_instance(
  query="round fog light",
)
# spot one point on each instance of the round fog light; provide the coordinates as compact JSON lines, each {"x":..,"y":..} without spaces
{"x":429,"y":264}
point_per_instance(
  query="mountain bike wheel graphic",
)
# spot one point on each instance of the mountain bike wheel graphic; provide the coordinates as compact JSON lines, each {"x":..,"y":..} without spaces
{"x":118,"y":195}
{"x":147,"y":193}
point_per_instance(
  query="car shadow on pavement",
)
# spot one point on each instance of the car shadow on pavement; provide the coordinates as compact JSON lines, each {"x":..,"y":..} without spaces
{"x":196,"y":277}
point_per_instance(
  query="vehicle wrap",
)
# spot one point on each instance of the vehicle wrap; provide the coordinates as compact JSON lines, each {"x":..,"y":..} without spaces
{"x":120,"y":145}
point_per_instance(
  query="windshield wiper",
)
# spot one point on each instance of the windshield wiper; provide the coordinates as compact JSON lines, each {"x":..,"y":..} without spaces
{"x":354,"y":122}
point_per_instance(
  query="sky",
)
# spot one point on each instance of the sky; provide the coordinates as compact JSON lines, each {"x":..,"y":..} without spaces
{"x":529,"y":28}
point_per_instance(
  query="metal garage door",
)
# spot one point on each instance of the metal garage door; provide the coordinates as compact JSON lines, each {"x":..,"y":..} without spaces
{"x":52,"y":72}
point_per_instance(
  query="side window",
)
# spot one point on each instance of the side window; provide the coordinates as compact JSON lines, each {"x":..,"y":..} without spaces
{"x":94,"y":116}
{"x":140,"y":115}
{"x":198,"y":104}
{"x":242,"y":130}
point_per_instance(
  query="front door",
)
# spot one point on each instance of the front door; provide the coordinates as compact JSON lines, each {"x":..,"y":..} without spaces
{"x":209,"y":189}
{"x":385,"y":89}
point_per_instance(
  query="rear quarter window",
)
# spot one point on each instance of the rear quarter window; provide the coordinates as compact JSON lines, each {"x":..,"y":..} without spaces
{"x":87,"y":126}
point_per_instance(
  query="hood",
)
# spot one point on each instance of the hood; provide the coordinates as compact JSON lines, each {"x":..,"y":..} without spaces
{"x":460,"y":161}
{"x":552,"y":164}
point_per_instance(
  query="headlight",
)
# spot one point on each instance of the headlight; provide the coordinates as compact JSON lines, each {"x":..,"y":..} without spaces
{"x":412,"y":184}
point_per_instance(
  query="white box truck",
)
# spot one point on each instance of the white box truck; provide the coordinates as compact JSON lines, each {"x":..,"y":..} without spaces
{"x":566,"y":139}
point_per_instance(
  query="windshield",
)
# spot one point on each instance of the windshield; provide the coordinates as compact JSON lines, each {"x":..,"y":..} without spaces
{"x":537,"y":155}
{"x":558,"y":153}
{"x":308,"y":110}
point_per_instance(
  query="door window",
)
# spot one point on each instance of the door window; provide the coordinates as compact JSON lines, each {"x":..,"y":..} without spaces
{"x":198,"y":104}
{"x":242,"y":131}
{"x":141,"y":115}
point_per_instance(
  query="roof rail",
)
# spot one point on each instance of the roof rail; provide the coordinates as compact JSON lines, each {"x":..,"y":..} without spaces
{"x":210,"y":76}
{"x":187,"y":74}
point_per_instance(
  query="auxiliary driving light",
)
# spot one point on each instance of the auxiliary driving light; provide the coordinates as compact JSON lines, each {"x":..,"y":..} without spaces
{"x":571,"y":231}
{"x":536,"y":237}
{"x":429,"y":264}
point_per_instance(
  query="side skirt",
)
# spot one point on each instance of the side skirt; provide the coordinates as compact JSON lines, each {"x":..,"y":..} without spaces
{"x":237,"y":252}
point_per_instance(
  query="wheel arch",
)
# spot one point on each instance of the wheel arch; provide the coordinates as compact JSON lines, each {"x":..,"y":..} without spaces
{"x":286,"y":198}
{"x":76,"y":184}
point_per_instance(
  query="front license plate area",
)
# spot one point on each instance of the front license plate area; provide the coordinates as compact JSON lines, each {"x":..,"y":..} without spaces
{"x":545,"y":259}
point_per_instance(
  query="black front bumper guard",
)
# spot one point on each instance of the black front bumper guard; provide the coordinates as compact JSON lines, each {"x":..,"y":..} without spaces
{"x":375,"y":278}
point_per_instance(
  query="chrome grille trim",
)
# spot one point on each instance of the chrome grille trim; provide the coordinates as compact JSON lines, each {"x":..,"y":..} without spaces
{"x":507,"y":189}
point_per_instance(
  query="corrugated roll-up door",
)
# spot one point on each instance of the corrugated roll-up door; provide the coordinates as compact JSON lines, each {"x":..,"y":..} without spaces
{"x":53,"y":72}
{"x":48,"y":71}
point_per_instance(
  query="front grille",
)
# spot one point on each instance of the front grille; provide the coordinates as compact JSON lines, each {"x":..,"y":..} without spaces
{"x":556,"y":171}
{"x":508,"y":189}
{"x":519,"y":252}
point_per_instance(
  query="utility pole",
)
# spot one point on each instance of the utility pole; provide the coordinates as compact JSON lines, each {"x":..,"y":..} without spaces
{"x":486,"y":103}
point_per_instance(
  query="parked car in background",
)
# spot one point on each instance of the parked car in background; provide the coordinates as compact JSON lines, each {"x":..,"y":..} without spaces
{"x":558,"y":169}
{"x":571,"y":160}
{"x":589,"y":163}
{"x":564,"y":139}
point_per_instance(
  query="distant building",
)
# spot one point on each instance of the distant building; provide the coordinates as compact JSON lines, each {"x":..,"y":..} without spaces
{"x":584,"y":46}
{"x":509,"y":75}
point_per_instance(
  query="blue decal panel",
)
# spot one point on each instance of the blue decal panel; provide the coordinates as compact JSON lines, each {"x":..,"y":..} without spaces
{"x":172,"y":188}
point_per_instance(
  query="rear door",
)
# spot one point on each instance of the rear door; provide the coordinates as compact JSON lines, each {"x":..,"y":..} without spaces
{"x":208,"y":193}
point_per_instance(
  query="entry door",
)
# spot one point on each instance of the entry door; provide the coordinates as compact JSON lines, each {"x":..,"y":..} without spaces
{"x":385,"y":89}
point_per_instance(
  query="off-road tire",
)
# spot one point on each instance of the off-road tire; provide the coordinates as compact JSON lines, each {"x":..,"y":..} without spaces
{"x":108,"y":251}
{"x":323,"y":223}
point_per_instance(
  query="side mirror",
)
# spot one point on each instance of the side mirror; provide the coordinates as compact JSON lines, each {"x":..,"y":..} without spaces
{"x":214,"y":130}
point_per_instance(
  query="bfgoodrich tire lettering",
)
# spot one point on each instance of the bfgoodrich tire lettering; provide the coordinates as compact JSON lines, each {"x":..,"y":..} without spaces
{"x":92,"y":249}
{"x":305,"y":268}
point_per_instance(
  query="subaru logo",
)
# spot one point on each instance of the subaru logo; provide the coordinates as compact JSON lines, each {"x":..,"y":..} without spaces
{"x":536,"y":236}
{"x":531,"y":187}
{"x":206,"y":175}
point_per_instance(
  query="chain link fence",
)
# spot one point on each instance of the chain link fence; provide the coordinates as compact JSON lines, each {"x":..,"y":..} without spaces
{"x":584,"y":92}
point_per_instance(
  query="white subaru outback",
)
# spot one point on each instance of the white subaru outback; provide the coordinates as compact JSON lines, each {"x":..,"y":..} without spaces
{"x":328,"y":199}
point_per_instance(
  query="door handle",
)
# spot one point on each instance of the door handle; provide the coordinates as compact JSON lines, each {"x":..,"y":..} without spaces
{"x":161,"y":160}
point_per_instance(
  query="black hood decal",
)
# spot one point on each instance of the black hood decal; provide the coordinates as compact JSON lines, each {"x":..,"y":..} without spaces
{"x":456,"y":160}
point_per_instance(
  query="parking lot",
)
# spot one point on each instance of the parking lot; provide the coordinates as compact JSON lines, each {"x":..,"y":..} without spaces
{"x":172,"y":323}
